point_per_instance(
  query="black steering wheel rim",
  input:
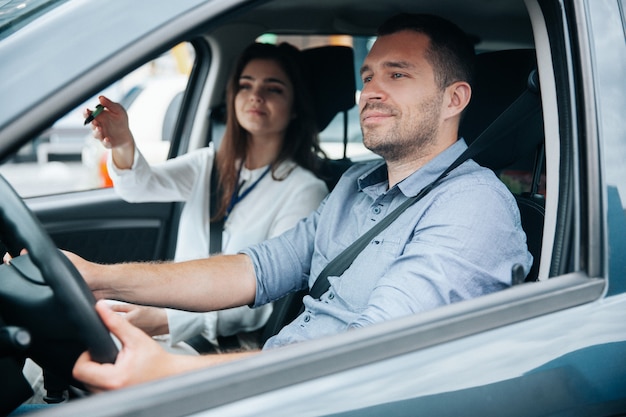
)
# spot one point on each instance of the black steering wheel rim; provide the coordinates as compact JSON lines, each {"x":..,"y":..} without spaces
{"x":22,"y":229}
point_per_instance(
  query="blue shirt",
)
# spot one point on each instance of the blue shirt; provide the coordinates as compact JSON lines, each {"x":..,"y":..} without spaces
{"x":459,"y":242}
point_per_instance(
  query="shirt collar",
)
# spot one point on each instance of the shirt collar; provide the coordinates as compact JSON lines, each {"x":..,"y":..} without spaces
{"x":414,"y":183}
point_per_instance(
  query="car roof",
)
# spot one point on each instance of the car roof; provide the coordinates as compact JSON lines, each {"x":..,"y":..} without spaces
{"x":357,"y":17}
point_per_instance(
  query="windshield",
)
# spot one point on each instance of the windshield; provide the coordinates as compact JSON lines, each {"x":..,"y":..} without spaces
{"x":15,"y":14}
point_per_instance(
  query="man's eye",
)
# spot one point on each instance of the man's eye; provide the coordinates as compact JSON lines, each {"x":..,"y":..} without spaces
{"x":397,"y":75}
{"x":367,"y":79}
{"x":244,"y":86}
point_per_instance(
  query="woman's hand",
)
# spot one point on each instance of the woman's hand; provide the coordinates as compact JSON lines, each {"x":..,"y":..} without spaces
{"x":111,"y":128}
{"x":152,"y":320}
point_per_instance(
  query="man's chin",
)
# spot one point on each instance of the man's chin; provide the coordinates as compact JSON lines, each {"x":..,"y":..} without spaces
{"x":388,"y":151}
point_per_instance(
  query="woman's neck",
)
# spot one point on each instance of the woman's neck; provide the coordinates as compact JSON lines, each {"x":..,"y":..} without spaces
{"x":262,"y":152}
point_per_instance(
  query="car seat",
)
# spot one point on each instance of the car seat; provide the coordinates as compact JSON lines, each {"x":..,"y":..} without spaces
{"x":333,"y":88}
{"x":506,"y":102}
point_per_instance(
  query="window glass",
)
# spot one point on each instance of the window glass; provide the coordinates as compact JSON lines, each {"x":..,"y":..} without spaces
{"x":67,"y":158}
{"x":609,"y":69}
{"x":15,"y":14}
{"x":622,"y":8}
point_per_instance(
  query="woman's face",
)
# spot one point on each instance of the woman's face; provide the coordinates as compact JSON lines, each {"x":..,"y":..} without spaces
{"x":264,"y":100}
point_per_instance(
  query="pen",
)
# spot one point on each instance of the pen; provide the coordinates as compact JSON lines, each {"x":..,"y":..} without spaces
{"x":93,"y":114}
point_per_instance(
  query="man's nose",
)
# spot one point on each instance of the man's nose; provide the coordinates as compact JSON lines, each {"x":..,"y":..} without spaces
{"x":371,"y":91}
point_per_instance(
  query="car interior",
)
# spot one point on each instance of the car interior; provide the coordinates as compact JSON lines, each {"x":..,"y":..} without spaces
{"x":504,"y":122}
{"x":502,"y":80}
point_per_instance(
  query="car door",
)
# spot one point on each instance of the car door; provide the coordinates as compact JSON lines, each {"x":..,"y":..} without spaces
{"x":100,"y":226}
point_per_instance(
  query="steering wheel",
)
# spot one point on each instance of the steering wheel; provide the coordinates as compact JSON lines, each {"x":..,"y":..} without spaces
{"x":45,"y":294}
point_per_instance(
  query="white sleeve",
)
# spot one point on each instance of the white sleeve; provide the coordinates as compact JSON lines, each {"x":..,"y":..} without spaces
{"x":186,"y":324}
{"x":172,"y":180}
{"x":239,"y":319}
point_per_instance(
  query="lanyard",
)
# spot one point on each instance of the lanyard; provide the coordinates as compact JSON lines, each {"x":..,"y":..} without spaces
{"x":236,"y":198}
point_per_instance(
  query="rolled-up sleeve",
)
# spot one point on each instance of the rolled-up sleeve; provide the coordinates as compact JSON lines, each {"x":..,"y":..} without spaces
{"x":282,"y":264}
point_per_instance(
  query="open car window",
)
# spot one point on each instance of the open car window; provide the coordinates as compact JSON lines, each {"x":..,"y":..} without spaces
{"x":67,"y":158}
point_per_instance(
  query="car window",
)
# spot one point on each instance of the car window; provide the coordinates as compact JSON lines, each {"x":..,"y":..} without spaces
{"x":609,"y":70}
{"x":15,"y":14}
{"x":622,"y":8}
{"x":67,"y":158}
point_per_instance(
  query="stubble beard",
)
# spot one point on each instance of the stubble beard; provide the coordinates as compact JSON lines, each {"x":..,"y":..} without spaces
{"x":408,"y":140}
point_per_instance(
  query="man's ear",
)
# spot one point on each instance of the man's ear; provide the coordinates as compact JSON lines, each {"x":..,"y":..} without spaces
{"x":458,"y":96}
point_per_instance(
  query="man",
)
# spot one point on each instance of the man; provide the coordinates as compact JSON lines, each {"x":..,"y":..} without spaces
{"x":460,"y":241}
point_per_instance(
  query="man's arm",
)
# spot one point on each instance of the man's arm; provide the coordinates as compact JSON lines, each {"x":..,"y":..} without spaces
{"x":136,"y":360}
{"x":201,"y":285}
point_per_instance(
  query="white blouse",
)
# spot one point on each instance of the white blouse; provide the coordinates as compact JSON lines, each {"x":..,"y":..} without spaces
{"x":266,"y":211}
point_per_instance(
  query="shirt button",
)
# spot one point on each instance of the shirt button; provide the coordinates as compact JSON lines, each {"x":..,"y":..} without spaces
{"x":307,"y":318}
{"x":331,"y":296}
{"x":376,"y":210}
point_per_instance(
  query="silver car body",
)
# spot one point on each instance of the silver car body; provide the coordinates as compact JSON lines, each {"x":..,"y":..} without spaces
{"x":554,"y":347}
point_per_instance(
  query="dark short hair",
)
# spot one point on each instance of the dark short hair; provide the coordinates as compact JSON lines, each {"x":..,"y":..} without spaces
{"x":451,"y":51}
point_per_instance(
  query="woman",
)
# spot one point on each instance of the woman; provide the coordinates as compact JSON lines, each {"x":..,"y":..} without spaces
{"x":265,"y":166}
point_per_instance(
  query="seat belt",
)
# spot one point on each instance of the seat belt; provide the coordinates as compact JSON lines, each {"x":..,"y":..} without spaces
{"x":216,"y":228}
{"x":510,"y":119}
{"x":513,"y":117}
{"x":340,"y":263}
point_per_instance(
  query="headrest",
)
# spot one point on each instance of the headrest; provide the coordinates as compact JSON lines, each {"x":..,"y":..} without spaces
{"x":501,"y":78}
{"x":331,"y":70}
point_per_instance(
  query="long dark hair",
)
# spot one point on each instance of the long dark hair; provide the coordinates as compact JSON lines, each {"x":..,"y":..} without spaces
{"x":301,"y":143}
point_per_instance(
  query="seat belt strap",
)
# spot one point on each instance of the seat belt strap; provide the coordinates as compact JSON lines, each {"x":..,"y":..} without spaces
{"x":340,"y":263}
{"x":216,"y":228}
{"x":525,"y":104}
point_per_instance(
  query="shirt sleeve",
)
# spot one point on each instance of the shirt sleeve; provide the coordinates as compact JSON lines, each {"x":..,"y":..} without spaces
{"x":240,"y":319}
{"x":282,"y":264}
{"x":185,"y":324}
{"x":172,"y":180}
